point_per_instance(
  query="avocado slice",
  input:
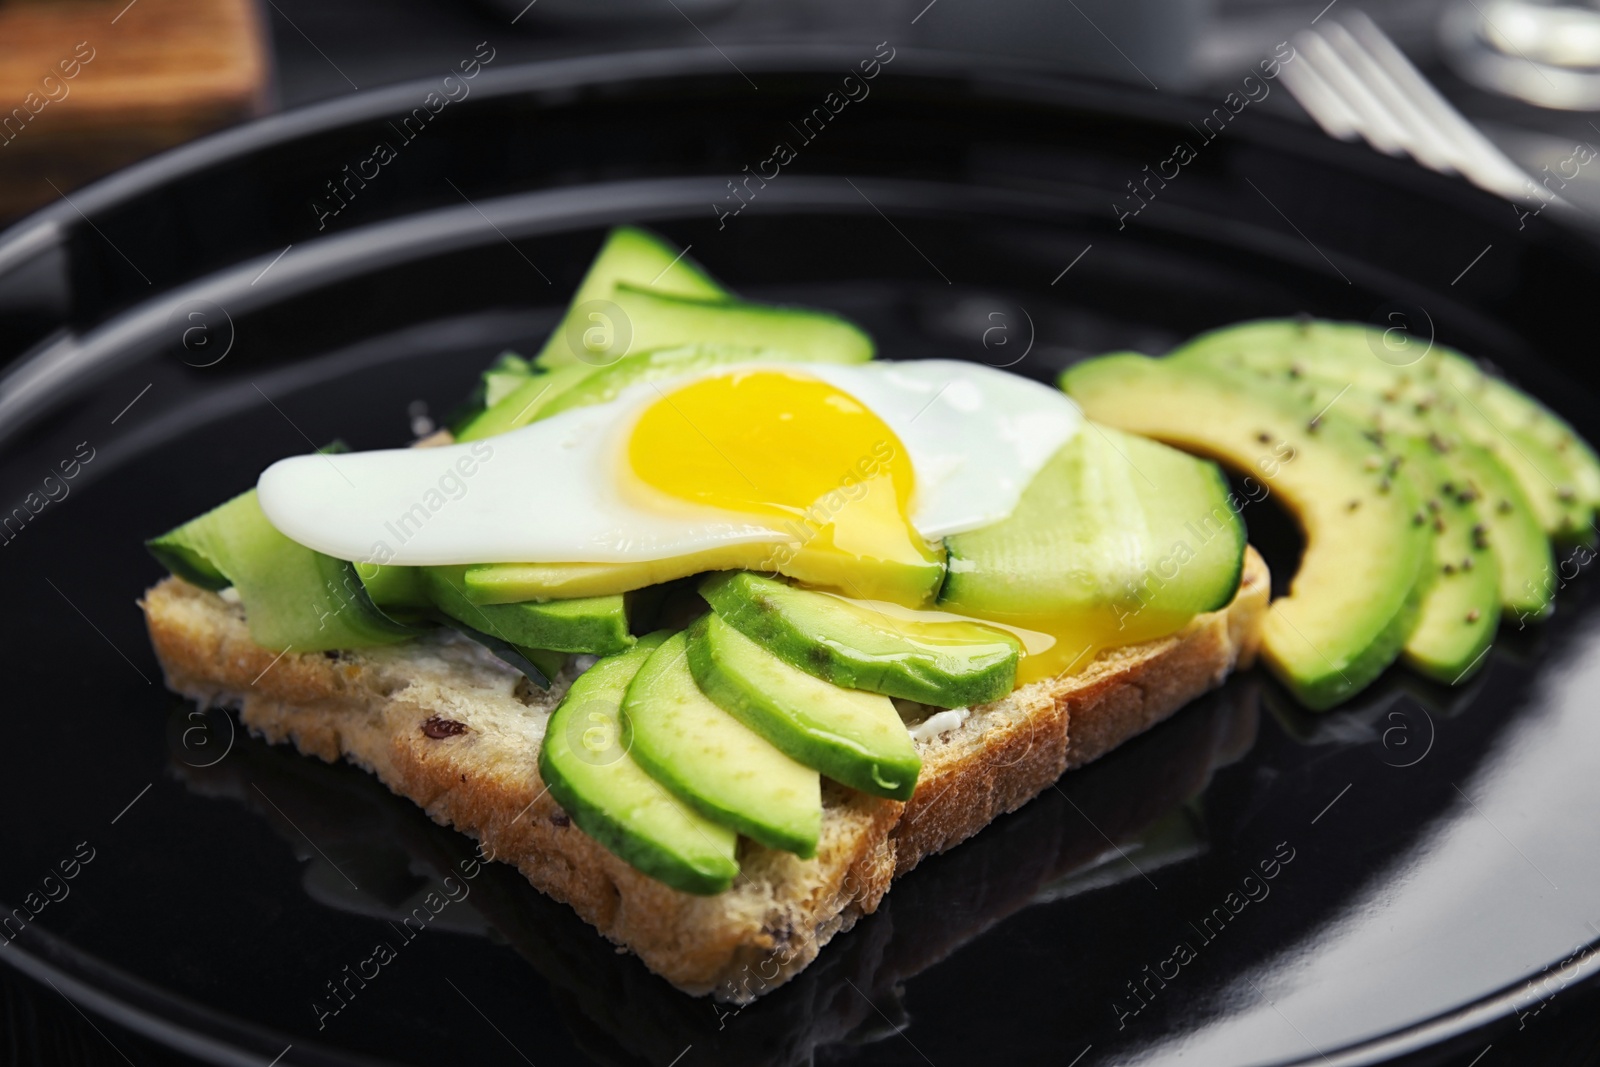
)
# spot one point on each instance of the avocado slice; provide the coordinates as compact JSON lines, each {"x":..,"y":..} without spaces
{"x":403,"y":594}
{"x":1352,"y":604}
{"x":1557,"y":471}
{"x":651,"y":302}
{"x":540,"y":396}
{"x":656,"y":299}
{"x":524,"y":402}
{"x":183,"y":552}
{"x":647,"y":296}
{"x":1459,"y":604}
{"x":854,"y":737}
{"x":945,"y":664}
{"x":508,"y":371}
{"x":395,"y":588}
{"x":611,"y":798}
{"x":1545,"y":478}
{"x":294,"y":598}
{"x":1521,"y":551}
{"x":1503,"y":402}
{"x":1124,"y":536}
{"x":658,"y":320}
{"x":1374,"y":394}
{"x":911,"y":581}
{"x":507,"y":583}
{"x":715,"y":763}
{"x":629,"y":254}
{"x":594,"y":625}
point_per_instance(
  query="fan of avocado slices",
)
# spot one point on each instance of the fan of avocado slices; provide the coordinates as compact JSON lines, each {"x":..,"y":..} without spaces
{"x":673,"y":745}
{"x":1432,"y":496}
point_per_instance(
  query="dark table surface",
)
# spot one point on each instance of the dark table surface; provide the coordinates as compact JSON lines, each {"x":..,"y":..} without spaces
{"x":328,"y":48}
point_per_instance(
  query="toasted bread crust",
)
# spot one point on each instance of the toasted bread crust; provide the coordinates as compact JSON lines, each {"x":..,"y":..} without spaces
{"x":369,"y":707}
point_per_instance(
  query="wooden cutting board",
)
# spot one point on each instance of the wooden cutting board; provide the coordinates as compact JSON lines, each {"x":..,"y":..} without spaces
{"x":87,"y":86}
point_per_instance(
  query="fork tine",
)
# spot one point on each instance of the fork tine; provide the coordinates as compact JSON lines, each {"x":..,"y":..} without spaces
{"x":1425,"y":142}
{"x":1478,"y":159}
{"x":1374,"y":121}
{"x":1321,"y":100}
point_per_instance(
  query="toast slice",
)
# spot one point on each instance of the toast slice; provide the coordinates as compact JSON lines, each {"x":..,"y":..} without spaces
{"x":1146,"y":805}
{"x":443,"y":723}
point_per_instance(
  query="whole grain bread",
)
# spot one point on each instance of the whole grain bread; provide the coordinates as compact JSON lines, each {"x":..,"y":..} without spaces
{"x":456,"y":731}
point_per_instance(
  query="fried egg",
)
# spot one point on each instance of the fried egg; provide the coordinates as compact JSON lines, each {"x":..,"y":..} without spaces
{"x":880,"y":459}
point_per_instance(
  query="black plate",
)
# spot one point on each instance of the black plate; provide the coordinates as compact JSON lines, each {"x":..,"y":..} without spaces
{"x":1430,"y":851}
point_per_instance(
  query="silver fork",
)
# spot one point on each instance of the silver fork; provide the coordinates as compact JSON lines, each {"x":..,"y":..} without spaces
{"x":1356,"y":83}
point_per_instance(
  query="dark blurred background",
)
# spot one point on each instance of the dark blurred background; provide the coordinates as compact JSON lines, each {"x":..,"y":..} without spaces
{"x":88,"y":86}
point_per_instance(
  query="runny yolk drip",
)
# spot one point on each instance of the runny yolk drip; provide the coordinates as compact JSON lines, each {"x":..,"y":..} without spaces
{"x":809,"y":458}
{"x":1051,"y":647}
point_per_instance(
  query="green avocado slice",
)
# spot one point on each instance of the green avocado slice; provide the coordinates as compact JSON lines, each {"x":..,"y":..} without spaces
{"x":1350,"y":607}
{"x":524,"y":402}
{"x":594,"y":625}
{"x":715,"y":763}
{"x":946,"y":664}
{"x":179,"y":550}
{"x":294,"y":598}
{"x":1114,"y":527}
{"x":1522,"y":553}
{"x":854,"y":737}
{"x":659,"y":320}
{"x":1321,"y":367}
{"x":630,"y":254}
{"x":1558,"y":472}
{"x":395,"y":589}
{"x":508,"y":371}
{"x":642,"y":296}
{"x":1459,"y":606}
{"x":591,"y":775}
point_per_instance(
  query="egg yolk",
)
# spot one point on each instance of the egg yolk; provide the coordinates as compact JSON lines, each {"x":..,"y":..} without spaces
{"x":804,"y":457}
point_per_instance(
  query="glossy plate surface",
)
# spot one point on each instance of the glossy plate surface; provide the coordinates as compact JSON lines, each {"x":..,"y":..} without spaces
{"x":1247,"y":884}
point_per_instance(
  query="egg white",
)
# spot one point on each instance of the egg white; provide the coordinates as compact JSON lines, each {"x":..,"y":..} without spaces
{"x":548,"y":492}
